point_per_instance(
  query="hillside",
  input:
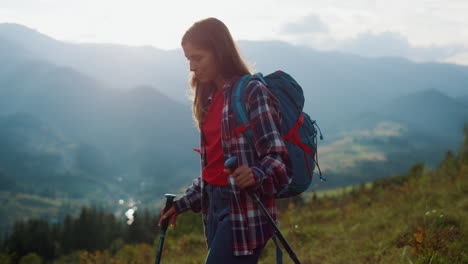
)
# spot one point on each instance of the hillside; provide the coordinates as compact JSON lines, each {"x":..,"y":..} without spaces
{"x":417,"y":127}
{"x":429,"y":110}
{"x":416,"y":217}
{"x":463,"y":99}
{"x":117,"y":66}
{"x":126,"y":128}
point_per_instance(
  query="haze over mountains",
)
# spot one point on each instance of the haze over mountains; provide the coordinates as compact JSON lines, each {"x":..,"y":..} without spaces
{"x":105,"y":120}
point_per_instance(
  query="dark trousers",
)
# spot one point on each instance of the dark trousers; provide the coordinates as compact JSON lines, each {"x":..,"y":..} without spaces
{"x":219,"y":230}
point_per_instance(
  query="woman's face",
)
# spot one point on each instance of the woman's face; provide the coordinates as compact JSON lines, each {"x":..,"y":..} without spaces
{"x":202,"y":63}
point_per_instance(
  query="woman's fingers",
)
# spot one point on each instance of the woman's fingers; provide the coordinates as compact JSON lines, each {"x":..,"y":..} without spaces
{"x":243,"y":176}
{"x":246,"y":182}
{"x":162,"y":217}
{"x":173,"y":220}
{"x":169,"y":214}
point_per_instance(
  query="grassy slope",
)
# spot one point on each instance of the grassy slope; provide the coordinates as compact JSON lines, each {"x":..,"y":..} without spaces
{"x":374,"y":225}
{"x":419,"y":217}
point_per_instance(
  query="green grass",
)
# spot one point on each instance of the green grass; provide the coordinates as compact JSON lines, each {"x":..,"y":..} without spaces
{"x":419,"y":217}
{"x":381,"y":225}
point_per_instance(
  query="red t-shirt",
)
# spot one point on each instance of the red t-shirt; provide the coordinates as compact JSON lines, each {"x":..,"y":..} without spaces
{"x":211,"y":128}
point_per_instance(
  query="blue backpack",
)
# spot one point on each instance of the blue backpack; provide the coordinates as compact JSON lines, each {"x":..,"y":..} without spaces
{"x":298,"y":130}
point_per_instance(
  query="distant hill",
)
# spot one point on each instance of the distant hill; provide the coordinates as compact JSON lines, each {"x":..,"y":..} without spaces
{"x":15,"y":50}
{"x":11,"y":55}
{"x":41,"y":160}
{"x":430,"y":110}
{"x":418,"y":127}
{"x":335,"y":83}
{"x":463,"y":99}
{"x":117,"y":66}
{"x":139,"y":136}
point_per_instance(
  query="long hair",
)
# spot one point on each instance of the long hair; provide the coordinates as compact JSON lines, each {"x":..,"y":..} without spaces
{"x":212,"y":35}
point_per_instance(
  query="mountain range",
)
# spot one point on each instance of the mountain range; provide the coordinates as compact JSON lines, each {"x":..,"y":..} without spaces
{"x":107,"y":121}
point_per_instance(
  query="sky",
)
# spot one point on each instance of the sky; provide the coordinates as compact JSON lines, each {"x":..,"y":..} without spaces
{"x":420,"y":30}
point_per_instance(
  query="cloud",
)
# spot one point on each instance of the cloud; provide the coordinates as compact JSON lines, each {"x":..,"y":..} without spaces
{"x":307,"y":25}
{"x":460,"y":58}
{"x":423,"y":37}
{"x":396,"y":45}
{"x":312,"y":32}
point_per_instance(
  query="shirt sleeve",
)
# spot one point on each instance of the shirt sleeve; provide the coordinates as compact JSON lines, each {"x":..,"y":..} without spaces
{"x":263,"y":111}
{"x":191,"y":199}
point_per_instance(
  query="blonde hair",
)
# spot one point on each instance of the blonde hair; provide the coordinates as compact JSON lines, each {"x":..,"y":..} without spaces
{"x":212,"y":35}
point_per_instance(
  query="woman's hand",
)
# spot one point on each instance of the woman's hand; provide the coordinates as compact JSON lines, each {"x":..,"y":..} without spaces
{"x":171,"y":214}
{"x":243,"y":177}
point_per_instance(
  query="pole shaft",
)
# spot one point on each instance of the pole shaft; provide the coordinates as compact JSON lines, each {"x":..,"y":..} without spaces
{"x":280,"y":236}
{"x":161,"y":245}
{"x":164,"y":225}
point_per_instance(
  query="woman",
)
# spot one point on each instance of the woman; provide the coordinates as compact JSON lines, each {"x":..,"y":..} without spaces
{"x":235,"y":229}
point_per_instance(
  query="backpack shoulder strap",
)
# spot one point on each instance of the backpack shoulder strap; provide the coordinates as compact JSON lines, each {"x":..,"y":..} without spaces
{"x":238,"y":103}
{"x":237,"y":99}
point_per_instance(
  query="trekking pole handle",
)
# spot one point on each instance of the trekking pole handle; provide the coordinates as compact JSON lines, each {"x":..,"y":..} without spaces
{"x":231,"y":164}
{"x":169,"y":202}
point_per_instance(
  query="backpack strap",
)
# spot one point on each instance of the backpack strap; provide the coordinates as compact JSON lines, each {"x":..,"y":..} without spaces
{"x":238,"y":104}
{"x":294,"y":137}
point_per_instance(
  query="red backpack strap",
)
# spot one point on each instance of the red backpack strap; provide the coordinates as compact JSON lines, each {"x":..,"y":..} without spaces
{"x":294,"y":137}
{"x":244,"y":127}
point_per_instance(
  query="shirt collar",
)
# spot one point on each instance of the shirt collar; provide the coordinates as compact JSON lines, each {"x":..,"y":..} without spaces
{"x":227,"y":87}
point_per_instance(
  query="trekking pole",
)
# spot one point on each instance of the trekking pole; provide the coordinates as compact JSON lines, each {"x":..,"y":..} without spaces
{"x":232,"y":165}
{"x":164,"y":225}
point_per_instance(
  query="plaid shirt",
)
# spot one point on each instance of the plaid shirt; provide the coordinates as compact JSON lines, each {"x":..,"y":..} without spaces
{"x":267,"y":158}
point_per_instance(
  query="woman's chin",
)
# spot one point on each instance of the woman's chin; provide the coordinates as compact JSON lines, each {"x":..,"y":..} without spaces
{"x":203,"y":80}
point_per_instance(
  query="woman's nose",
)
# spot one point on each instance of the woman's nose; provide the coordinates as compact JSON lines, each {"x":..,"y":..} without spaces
{"x":192,"y":66}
